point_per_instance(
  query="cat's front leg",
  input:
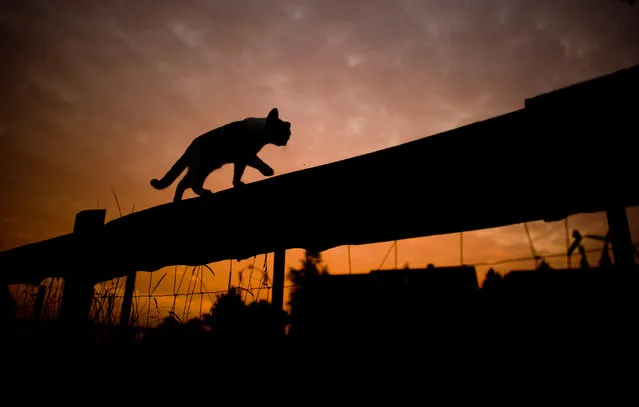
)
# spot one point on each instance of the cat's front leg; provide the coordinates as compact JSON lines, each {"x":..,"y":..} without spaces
{"x":238,"y":171}
{"x":257,"y":163}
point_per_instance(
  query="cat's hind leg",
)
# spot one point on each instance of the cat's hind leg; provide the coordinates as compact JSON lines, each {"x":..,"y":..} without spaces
{"x":198,"y":186}
{"x":182,"y":186}
{"x":238,"y":171}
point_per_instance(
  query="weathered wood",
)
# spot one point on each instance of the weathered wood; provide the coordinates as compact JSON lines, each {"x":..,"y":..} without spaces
{"x":567,"y":152}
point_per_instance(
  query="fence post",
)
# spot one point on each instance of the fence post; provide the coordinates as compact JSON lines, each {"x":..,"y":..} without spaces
{"x":39,"y":302}
{"x":77,"y":294}
{"x":278,"y":278}
{"x":622,"y":247}
{"x":127,"y":301}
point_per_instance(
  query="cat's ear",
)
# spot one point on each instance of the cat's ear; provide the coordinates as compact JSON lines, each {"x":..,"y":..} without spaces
{"x":273,"y":114}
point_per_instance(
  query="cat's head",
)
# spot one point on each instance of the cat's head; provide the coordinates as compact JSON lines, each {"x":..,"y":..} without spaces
{"x":278,"y":131}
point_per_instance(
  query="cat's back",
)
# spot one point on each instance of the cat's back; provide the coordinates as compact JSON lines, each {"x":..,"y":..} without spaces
{"x":233,"y":135}
{"x":254,"y":125}
{"x":240,"y":128}
{"x":219,"y":134}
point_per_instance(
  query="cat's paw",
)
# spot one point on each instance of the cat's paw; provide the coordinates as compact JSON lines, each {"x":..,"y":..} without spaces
{"x":268,"y":172}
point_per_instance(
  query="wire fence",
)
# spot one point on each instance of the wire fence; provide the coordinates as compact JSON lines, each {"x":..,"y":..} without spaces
{"x":189,"y":296}
{"x":190,"y":299}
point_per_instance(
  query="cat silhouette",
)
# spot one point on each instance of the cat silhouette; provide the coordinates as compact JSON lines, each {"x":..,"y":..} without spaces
{"x":234,"y":143}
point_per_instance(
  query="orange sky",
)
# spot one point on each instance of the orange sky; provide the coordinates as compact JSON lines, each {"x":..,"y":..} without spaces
{"x":95,"y":97}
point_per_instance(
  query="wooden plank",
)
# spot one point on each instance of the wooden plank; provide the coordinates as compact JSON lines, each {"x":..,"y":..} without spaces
{"x":544,"y":162}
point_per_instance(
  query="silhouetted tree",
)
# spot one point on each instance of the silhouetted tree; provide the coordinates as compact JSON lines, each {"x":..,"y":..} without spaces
{"x":303,"y":278}
{"x":232,"y":321}
{"x":8,"y":304}
{"x":173,"y":335}
{"x":491,"y":286}
{"x":228,"y":316}
{"x":265,"y":322}
{"x":492,"y":280}
{"x":491,"y":291}
{"x":310,"y":268}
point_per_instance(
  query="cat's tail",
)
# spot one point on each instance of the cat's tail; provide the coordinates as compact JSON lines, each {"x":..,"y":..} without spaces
{"x":171,"y":175}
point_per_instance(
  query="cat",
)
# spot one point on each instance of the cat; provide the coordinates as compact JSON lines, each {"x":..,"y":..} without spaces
{"x":234,"y":143}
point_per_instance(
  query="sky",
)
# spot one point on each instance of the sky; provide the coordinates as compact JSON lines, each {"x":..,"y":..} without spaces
{"x":103,"y":96}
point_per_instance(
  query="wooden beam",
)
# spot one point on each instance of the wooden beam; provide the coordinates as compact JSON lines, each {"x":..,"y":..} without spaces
{"x":567,"y":152}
